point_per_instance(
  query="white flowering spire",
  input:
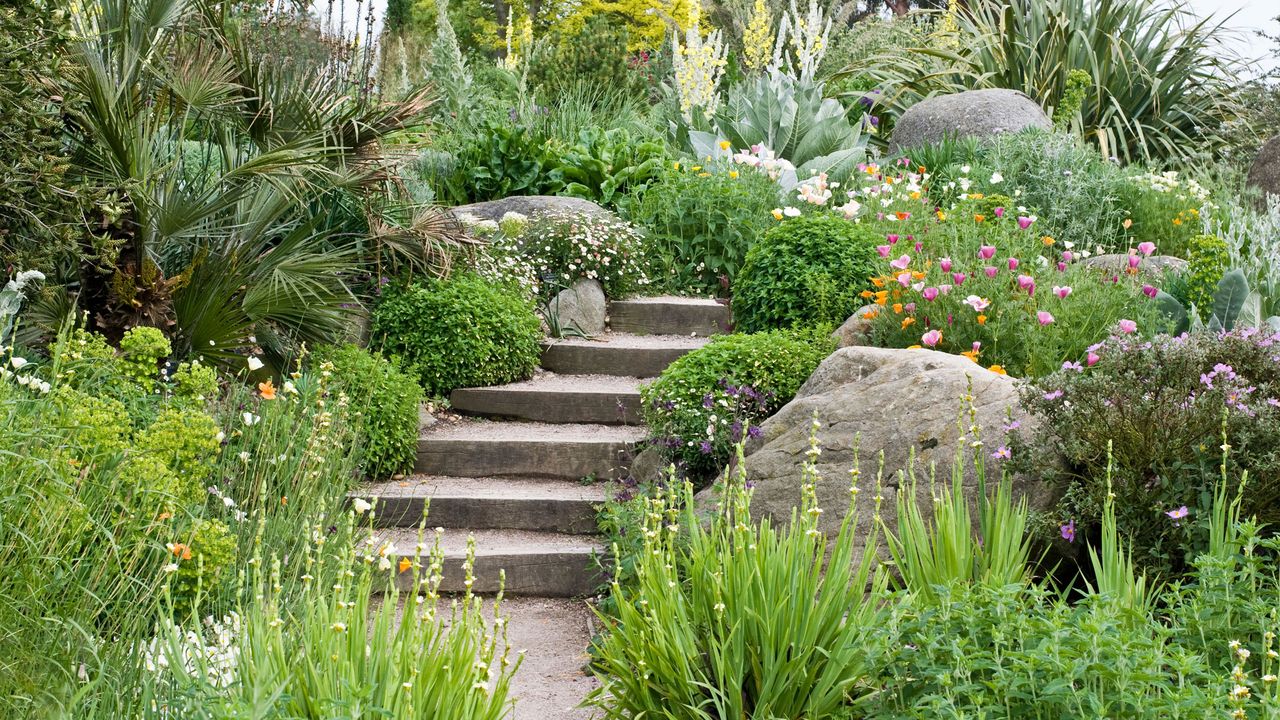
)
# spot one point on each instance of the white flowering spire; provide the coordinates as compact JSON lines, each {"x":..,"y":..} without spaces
{"x":698,"y":67}
{"x":802,"y":42}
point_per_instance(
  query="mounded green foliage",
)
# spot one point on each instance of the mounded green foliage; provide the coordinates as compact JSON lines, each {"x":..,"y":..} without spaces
{"x":387,"y":400}
{"x":730,"y":386}
{"x":807,"y":271}
{"x":460,"y":332}
{"x":1207,"y":261}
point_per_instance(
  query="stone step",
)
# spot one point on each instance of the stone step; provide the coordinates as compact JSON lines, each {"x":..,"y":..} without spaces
{"x":560,"y":506}
{"x":669,"y":315}
{"x":536,"y":563}
{"x":485,"y":448}
{"x":551,"y":398}
{"x":613,"y":353}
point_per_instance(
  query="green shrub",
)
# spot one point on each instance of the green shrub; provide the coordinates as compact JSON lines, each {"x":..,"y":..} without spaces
{"x":460,"y":332}
{"x":808,"y":271}
{"x":204,"y":564}
{"x":187,"y":441}
{"x":385,"y":400}
{"x":1207,"y":261}
{"x":702,"y":223}
{"x":141,"y":350}
{"x":1157,"y":412}
{"x":715,"y":396}
{"x":597,"y":54}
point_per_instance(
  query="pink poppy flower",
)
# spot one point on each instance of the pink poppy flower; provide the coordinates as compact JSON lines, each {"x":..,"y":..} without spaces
{"x":901,"y":263}
{"x":1044,"y":317}
{"x":931,"y":338}
{"x":1149,"y":291}
{"x":1024,"y":222}
{"x":1062,"y":267}
{"x":945,"y":264}
{"x":919,"y":246}
{"x":1067,"y":255}
{"x":999,"y":212}
{"x":883,"y":250}
{"x":986,"y":252}
{"x":959,"y":278}
{"x":904,"y":279}
{"x":977,"y":303}
{"x":1062,"y":292}
{"x":1028,"y":283}
{"x":1134,"y":262}
{"x":930,"y":294}
{"x":1146,"y":248}
{"x":893,"y":239}
{"x":1091,"y":359}
{"x":1013,"y":263}
{"x":990,"y":271}
{"x":1128,"y":327}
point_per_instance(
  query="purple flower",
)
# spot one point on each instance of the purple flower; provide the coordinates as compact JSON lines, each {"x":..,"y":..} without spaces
{"x":1068,"y":365}
{"x":1013,"y":425}
{"x":755,"y":431}
{"x":1069,"y":531}
{"x":705,"y":446}
{"x":1053,"y":395}
{"x":708,"y":401}
{"x":1002,"y":453}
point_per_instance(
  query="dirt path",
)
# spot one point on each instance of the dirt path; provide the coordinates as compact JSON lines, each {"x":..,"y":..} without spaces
{"x":554,"y":635}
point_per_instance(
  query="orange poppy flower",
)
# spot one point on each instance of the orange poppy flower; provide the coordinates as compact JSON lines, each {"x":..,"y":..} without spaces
{"x":878,"y":282}
{"x":405,"y":564}
{"x":979,"y":218}
{"x":866,"y":294}
{"x":982,"y":319}
{"x":902,"y":215}
{"x":1047,"y":240}
{"x":870,"y":314}
{"x":908,"y":322}
{"x":267,"y":390}
{"x":997,"y":370}
{"x":897,"y":308}
{"x":971,"y":354}
{"x":180,"y":550}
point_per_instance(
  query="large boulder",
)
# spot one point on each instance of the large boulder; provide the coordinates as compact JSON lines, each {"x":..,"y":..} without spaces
{"x":531,"y":206}
{"x":901,"y":403}
{"x":581,"y":308}
{"x":1264,"y":174}
{"x":977,"y":114}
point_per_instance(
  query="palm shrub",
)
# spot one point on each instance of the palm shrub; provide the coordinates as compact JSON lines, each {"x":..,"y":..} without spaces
{"x":734,"y":618}
{"x":245,"y":256}
{"x":806,"y":271}
{"x":1161,"y":86}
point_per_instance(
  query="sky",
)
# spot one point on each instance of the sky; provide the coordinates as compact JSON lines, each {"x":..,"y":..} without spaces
{"x":1250,"y":16}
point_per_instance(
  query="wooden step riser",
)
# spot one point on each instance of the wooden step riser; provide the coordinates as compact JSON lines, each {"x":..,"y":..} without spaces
{"x":563,"y":574}
{"x":574,"y":517}
{"x":642,"y":318}
{"x":604,"y":360}
{"x":525,"y":458}
{"x":549,"y":406}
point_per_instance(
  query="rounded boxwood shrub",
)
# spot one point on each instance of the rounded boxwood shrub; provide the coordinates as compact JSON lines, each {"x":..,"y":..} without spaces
{"x":387,"y":400}
{"x":807,"y":271}
{"x":459,"y":332}
{"x":708,"y":400}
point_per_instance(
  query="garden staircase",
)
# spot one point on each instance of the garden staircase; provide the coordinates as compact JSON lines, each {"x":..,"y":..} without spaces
{"x":525,"y":477}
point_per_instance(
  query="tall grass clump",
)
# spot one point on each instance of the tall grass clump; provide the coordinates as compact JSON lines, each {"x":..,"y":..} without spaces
{"x":338,"y":649}
{"x":739,"y":619}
